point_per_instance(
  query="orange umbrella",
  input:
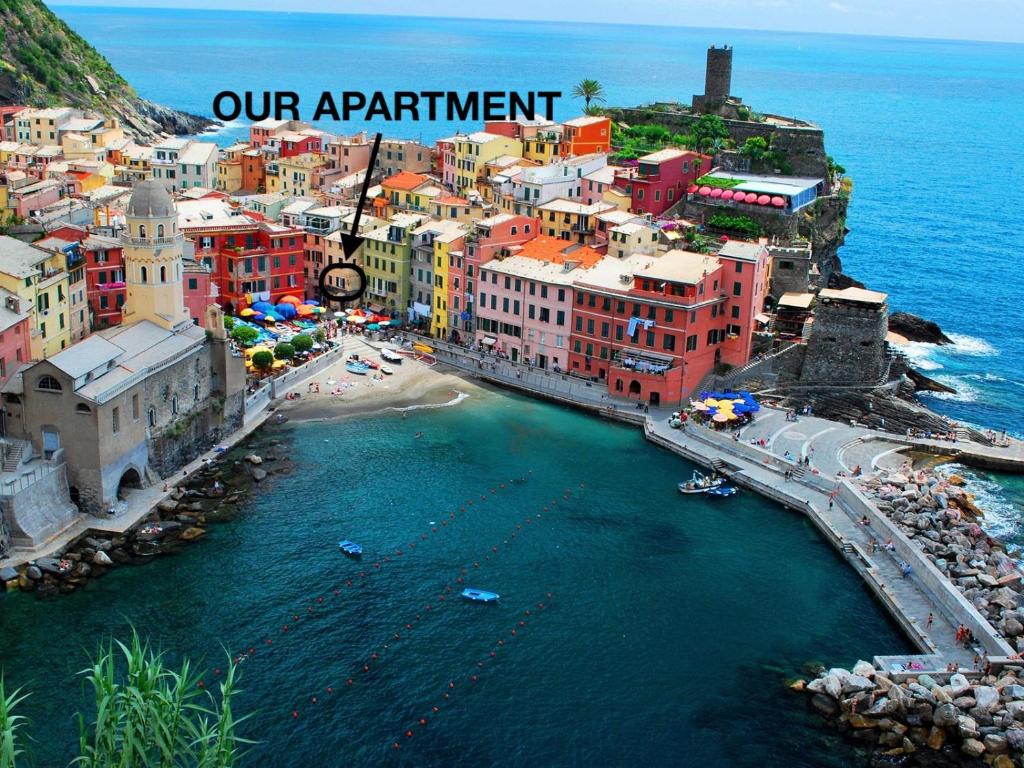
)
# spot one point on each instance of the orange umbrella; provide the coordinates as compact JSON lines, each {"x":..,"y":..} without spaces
{"x":290,"y":300}
{"x":304,"y":310}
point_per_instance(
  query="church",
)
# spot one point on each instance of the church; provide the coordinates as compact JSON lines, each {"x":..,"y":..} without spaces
{"x":131,"y":404}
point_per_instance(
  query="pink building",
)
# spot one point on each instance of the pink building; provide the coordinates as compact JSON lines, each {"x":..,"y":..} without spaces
{"x":14,"y":334}
{"x":661,"y":178}
{"x":31,"y":195}
{"x":199,"y":288}
{"x":494,"y":236}
{"x":525,"y":301}
{"x":444,"y":158}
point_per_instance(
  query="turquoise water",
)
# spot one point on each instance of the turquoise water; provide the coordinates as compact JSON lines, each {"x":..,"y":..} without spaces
{"x":670,"y":630}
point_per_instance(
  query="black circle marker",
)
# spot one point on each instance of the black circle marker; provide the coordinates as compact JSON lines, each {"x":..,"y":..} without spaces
{"x":332,"y":293}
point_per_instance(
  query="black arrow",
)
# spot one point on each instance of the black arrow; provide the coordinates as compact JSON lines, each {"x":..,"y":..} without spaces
{"x":351,"y":241}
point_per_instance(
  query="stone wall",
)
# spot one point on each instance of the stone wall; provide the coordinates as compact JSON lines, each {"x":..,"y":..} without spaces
{"x":791,"y":271}
{"x":847,"y":345}
{"x":193,"y":435}
{"x":39,"y":510}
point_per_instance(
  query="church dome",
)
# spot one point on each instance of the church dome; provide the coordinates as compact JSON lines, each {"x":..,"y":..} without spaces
{"x":150,"y":200}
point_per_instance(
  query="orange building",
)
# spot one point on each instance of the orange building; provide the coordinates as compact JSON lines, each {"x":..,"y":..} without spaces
{"x":254,"y":175}
{"x":586,"y":135}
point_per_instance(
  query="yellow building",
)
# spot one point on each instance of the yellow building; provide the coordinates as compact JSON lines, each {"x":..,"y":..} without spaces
{"x":409,"y":192}
{"x":544,"y":146}
{"x":44,"y":124}
{"x":229,"y":168}
{"x":474,"y":151}
{"x":41,"y":278}
{"x":75,"y":146}
{"x":296,"y":175}
{"x":5,"y":211}
{"x":446,"y":242}
{"x":569,"y":220}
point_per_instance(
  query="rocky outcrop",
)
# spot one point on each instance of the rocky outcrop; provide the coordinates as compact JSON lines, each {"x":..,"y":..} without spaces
{"x":914,"y":328}
{"x":954,"y":720}
{"x":940,"y":517}
{"x":43,"y":62}
{"x":924,"y":384}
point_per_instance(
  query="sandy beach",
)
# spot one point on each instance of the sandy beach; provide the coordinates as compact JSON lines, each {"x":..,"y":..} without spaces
{"x":413,"y":384}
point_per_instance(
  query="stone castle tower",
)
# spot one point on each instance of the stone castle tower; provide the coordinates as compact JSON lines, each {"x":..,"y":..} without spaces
{"x":847,"y":342}
{"x":152,"y":259}
{"x":717,"y":80}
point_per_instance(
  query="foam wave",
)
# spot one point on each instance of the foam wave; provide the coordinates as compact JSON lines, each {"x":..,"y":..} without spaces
{"x":920,"y":356}
{"x":965,"y":393}
{"x":970,"y":346}
{"x":459,"y":397}
{"x":230,"y":125}
{"x":1002,"y":518}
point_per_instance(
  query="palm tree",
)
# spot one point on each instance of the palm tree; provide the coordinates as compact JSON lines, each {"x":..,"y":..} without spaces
{"x":588,"y":90}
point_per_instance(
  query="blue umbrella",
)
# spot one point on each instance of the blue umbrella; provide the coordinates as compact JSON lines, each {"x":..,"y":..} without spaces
{"x":259,"y":315}
{"x":263,"y":306}
{"x":285,"y":310}
{"x":272,"y":317}
{"x":312,"y":302}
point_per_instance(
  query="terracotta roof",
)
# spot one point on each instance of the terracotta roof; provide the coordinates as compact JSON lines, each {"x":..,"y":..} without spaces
{"x":451,"y":200}
{"x":558,"y":251}
{"x":404,"y":180}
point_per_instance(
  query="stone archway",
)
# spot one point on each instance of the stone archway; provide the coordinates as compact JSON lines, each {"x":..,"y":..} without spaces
{"x":634,"y":387}
{"x":130,"y":480}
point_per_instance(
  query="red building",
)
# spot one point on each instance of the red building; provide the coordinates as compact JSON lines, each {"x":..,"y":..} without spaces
{"x":660,"y":179}
{"x":653,"y":327}
{"x":105,"y":289}
{"x":292,"y":144}
{"x":15,"y":333}
{"x":250,"y":259}
{"x":199,"y":289}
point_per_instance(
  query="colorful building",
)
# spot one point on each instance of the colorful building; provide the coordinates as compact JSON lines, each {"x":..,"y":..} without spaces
{"x":387,"y":258}
{"x":569,"y":220}
{"x":399,"y":155}
{"x":474,"y":151}
{"x":412,"y":192}
{"x":229,"y":168}
{"x":262,"y":132}
{"x":41,"y":279}
{"x":587,"y":134}
{"x":15,"y":330}
{"x":660,"y":179}
{"x":525,"y":301}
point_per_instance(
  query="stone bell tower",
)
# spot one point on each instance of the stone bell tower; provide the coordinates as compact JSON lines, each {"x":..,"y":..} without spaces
{"x":152,"y":259}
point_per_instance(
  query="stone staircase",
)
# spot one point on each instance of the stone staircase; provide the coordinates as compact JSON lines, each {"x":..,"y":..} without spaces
{"x":14,"y":451}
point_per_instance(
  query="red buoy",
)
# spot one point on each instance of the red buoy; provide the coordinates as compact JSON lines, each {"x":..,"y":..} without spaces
{"x":201,"y":684}
{"x":350,"y":681}
{"x":295,"y":715}
{"x":330,"y":690}
{"x":408,"y":734}
{"x":423,"y":721}
{"x":313,"y":699}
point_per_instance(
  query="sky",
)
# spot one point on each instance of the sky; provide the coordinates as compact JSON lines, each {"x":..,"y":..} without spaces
{"x":996,"y":20}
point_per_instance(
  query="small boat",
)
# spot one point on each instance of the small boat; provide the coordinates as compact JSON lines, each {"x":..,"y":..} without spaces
{"x":387,"y":370}
{"x":480,"y":596}
{"x":722,"y":491}
{"x":391,"y":356}
{"x":357,"y":367}
{"x":699,"y":483}
{"x":350,"y":548}
{"x":423,"y":348}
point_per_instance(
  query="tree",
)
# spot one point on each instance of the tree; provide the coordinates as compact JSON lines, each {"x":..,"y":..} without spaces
{"x":707,"y":128}
{"x":146,"y":714}
{"x":229,"y":322}
{"x":303,"y":342}
{"x":320,"y":336}
{"x":284,"y":351}
{"x":262,"y":361}
{"x":755,"y":148}
{"x":245,"y":335}
{"x":589,"y":90}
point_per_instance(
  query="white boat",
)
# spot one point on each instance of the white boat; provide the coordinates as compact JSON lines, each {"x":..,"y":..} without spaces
{"x":699,"y":483}
{"x":391,"y":355}
{"x":387,"y":369}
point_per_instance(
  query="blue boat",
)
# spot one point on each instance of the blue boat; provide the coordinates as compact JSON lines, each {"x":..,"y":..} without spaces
{"x":480,"y":595}
{"x":358,"y":368}
{"x":350,"y":548}
{"x":722,"y":490}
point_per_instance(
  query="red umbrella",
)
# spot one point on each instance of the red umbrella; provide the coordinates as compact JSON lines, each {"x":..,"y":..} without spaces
{"x":691,"y":189}
{"x":779,"y":202}
{"x":727,"y":194}
{"x":764,"y":199}
{"x":716,"y":192}
{"x":705,"y":191}
{"x":723,"y":239}
{"x":750,"y":197}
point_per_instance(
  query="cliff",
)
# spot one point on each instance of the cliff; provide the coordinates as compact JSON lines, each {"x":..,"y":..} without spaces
{"x":43,"y":62}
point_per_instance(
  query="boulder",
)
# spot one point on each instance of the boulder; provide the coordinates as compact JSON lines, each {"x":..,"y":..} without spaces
{"x":1013,"y":691}
{"x":1003,"y":761}
{"x":968,"y":727}
{"x":797,"y":685}
{"x":167,"y":505}
{"x":860,"y":722}
{"x":1015,"y":739}
{"x":7,"y":573}
{"x":972,"y":748}
{"x":987,"y":698}
{"x":257,"y":474}
{"x":864,"y":669}
{"x":964,"y":702}
{"x":936,"y":738}
{"x":946,"y":716}
{"x":33,"y":572}
{"x":100,"y":545}
{"x":825,"y":704}
{"x":1015,"y":709}
{"x":253,"y":459}
{"x":995,"y":743}
{"x":102,"y":558}
{"x":940,"y":694}
{"x":192,"y":533}
{"x":958,"y":685}
{"x":856,"y":683}
{"x":884,"y":706}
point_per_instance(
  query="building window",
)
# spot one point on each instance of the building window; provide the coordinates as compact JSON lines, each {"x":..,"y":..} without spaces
{"x":115,"y":418}
{"x":159,"y":230}
{"x":174,"y":405}
{"x":691,"y":343}
{"x":151,"y":417}
{"x":737,"y":288}
{"x":48,"y":384}
{"x":83,"y":408}
{"x":135,"y":407}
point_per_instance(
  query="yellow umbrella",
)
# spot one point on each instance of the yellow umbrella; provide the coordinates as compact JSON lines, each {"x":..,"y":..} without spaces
{"x":279,"y":364}
{"x":247,"y":312}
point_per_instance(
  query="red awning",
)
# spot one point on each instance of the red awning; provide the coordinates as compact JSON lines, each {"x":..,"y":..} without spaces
{"x":705,"y":191}
{"x":779,"y":202}
{"x":750,"y":197}
{"x":764,"y":199}
{"x":716,"y":192}
{"x":691,"y":189}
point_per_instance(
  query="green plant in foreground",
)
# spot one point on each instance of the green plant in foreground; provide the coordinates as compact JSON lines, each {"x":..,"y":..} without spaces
{"x":146,"y":714}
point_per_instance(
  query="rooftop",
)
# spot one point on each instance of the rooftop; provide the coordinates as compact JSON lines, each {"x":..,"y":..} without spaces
{"x":677,"y":266}
{"x":405,"y":180}
{"x":558,"y":251}
{"x":739,"y":249}
{"x":855,"y":295}
{"x":662,"y":155}
{"x":20,"y":259}
{"x":561,"y":205}
{"x":579,"y":122}
{"x":795,"y":301}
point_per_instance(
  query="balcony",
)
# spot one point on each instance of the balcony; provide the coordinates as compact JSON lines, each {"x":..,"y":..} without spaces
{"x":642,"y":362}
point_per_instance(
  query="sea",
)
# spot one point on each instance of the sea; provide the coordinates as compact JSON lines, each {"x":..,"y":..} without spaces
{"x":671,"y":627}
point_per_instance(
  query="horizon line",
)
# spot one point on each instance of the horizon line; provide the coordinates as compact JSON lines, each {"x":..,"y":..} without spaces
{"x":165,"y":5}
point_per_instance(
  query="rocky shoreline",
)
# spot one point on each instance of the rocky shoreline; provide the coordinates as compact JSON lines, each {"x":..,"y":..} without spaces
{"x":210,"y":495}
{"x":949,"y":718}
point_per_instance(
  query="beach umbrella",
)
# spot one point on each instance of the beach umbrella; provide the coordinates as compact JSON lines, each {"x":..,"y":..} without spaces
{"x":318,"y":310}
{"x":705,"y":191}
{"x":691,"y":189}
{"x":750,"y":197}
{"x":247,"y":312}
{"x":723,"y":239}
{"x":304,"y":310}
{"x":338,"y":314}
{"x":372,"y":327}
{"x":289,"y":299}
{"x":720,"y":417}
{"x":271,"y":317}
{"x":258,"y":315}
{"x":779,"y":202}
{"x":357,"y":319}
{"x":279,"y":364}
{"x":701,"y":407}
{"x":263,"y":306}
{"x":764,"y":199}
{"x":716,"y":192}
{"x":727,"y":194}
{"x":312,"y":302}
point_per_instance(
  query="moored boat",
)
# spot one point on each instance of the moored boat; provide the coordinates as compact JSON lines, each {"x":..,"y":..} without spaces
{"x":350,"y":548}
{"x":722,"y":491}
{"x":699,"y":483}
{"x":480,"y":595}
{"x":387,"y":370}
{"x":391,"y":356}
{"x":357,"y":367}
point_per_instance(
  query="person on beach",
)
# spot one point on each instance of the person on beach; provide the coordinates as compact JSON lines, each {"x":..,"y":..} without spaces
{"x":929,"y":622}
{"x":864,"y":520}
{"x":905,"y":568}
